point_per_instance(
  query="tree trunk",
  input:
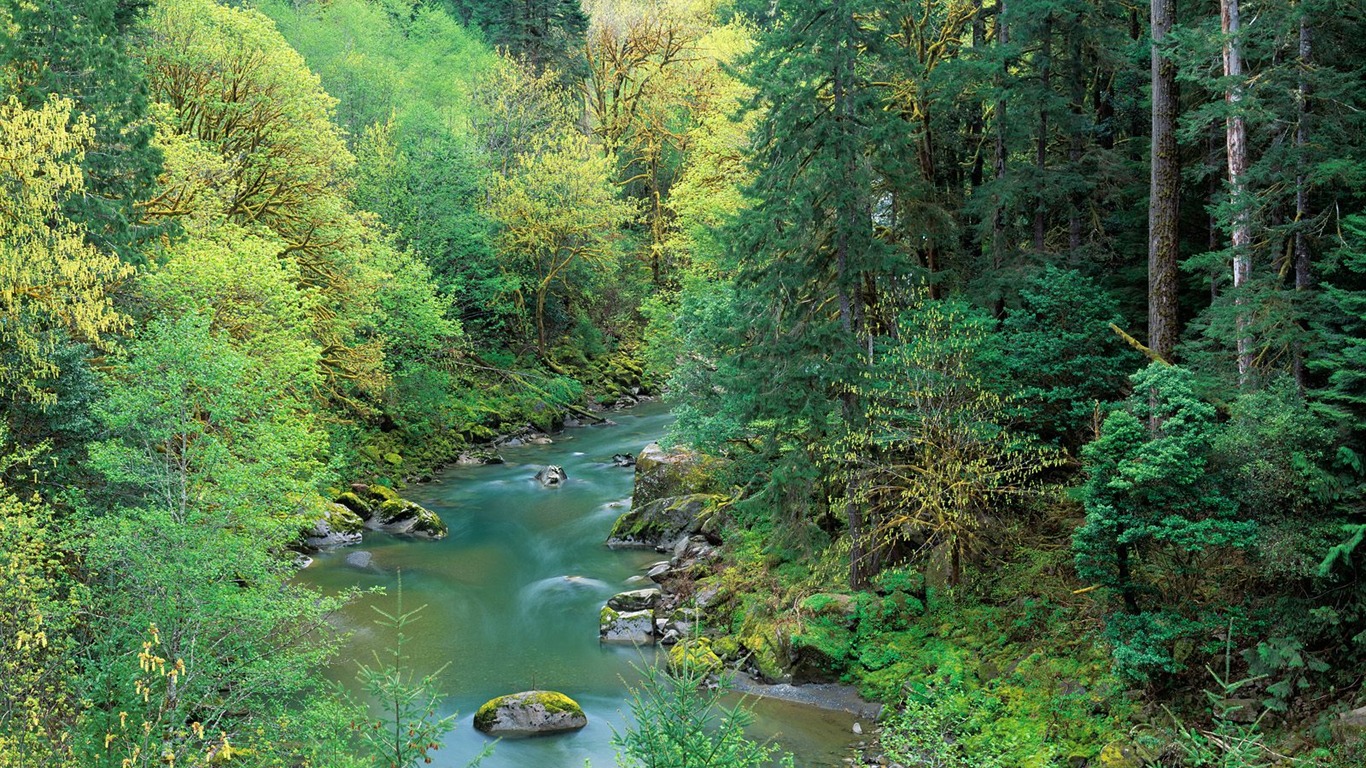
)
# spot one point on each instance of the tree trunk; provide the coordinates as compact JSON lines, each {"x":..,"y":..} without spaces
{"x":1041,"y":143}
{"x":998,"y":235}
{"x":1164,"y":200}
{"x":1303,"y":275}
{"x":1236,"y":139}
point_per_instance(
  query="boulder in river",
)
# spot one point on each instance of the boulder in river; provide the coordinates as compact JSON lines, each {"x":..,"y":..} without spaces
{"x":664,"y":474}
{"x":552,"y":476}
{"x":530,"y":713}
{"x":623,"y":460}
{"x":338,"y":527}
{"x":632,"y":627}
{"x":661,"y":522}
{"x":361,"y":559}
{"x":479,"y":457}
{"x":403,"y":516}
{"x":635,"y":600}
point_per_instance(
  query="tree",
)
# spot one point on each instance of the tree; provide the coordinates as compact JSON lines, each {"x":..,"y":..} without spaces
{"x":1159,"y":527}
{"x":1164,"y":194}
{"x":82,"y":50}
{"x":53,"y":285}
{"x":680,"y":723}
{"x":558,"y":216}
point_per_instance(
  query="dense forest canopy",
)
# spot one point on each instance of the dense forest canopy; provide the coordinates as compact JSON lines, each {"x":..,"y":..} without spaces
{"x":1033,"y":329}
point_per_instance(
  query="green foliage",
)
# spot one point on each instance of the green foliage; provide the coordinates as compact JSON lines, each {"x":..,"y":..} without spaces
{"x":406,"y":728}
{"x":1063,"y":362}
{"x":1159,"y":527}
{"x":679,"y":721}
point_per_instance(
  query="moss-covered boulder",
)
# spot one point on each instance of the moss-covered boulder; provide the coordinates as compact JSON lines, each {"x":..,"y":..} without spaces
{"x":820,"y":651}
{"x":338,"y":527}
{"x":660,"y":523}
{"x":530,"y":713}
{"x":626,"y":627}
{"x":767,"y":650}
{"x":695,"y":655}
{"x":842,"y":609}
{"x":1120,"y":755}
{"x":381,"y":493}
{"x":407,"y":517}
{"x":664,"y":474}
{"x":352,"y":501}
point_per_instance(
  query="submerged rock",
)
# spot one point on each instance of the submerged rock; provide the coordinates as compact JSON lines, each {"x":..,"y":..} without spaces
{"x":551,"y":476}
{"x":530,"y":713}
{"x":360,"y":559}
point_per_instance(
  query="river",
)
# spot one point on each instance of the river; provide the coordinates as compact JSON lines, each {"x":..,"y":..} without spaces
{"x":512,"y":599}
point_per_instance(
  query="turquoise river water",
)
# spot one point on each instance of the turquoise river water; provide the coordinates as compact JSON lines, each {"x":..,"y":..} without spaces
{"x":501,"y":612}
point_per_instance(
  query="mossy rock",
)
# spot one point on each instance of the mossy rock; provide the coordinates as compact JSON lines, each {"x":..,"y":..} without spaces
{"x":381,"y":493}
{"x":661,"y":522}
{"x":696,"y":655}
{"x":356,"y":504}
{"x":394,"y":459}
{"x":664,"y":474}
{"x":403,"y":516}
{"x":820,"y":652}
{"x":767,"y":649}
{"x":343,"y":519}
{"x":832,"y":605}
{"x":530,"y":713}
{"x":1120,"y":755}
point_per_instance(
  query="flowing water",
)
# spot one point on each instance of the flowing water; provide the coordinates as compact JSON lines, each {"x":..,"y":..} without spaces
{"x":512,"y":599}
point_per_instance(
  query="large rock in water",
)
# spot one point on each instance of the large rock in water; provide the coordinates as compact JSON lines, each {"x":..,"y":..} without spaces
{"x":403,"y":516}
{"x":664,"y":474}
{"x":552,"y":476}
{"x":338,"y":527}
{"x":628,"y":627}
{"x":530,"y":713}
{"x":660,"y":523}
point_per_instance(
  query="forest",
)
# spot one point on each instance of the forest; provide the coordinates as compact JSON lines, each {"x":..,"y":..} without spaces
{"x":1020,"y":346}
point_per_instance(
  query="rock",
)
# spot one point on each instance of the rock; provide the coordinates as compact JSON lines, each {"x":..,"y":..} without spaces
{"x":530,"y":713}
{"x":302,"y":561}
{"x":356,"y":504}
{"x":623,"y":460}
{"x":634,"y":627}
{"x":1241,"y":710}
{"x":403,"y":516}
{"x":1350,"y":727}
{"x":338,"y":527}
{"x":551,"y":476}
{"x":832,"y":605}
{"x":661,"y":522}
{"x":696,"y":655}
{"x":360,"y":559}
{"x":1119,"y":755}
{"x":381,"y":493}
{"x":635,"y":600}
{"x":664,"y":474}
{"x":478,"y":457}
{"x":539,"y":440}
{"x":659,"y":573}
{"x":858,"y":729}
{"x":820,"y":652}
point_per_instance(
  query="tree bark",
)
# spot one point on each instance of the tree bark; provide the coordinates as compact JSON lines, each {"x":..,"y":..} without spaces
{"x":1236,"y":140}
{"x":1303,"y":275}
{"x":1164,"y":201}
{"x":998,"y":216}
{"x":1041,"y":142}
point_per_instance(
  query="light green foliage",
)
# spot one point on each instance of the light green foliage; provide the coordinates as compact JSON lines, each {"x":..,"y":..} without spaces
{"x":50,"y":280}
{"x":680,"y":723}
{"x":211,"y":462}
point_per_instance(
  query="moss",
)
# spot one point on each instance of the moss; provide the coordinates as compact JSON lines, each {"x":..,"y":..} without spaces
{"x":696,"y":655}
{"x":343,"y":520}
{"x":356,"y":504}
{"x":554,"y":701}
{"x":607,"y":615}
{"x":382,"y":493}
{"x":396,"y":509}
